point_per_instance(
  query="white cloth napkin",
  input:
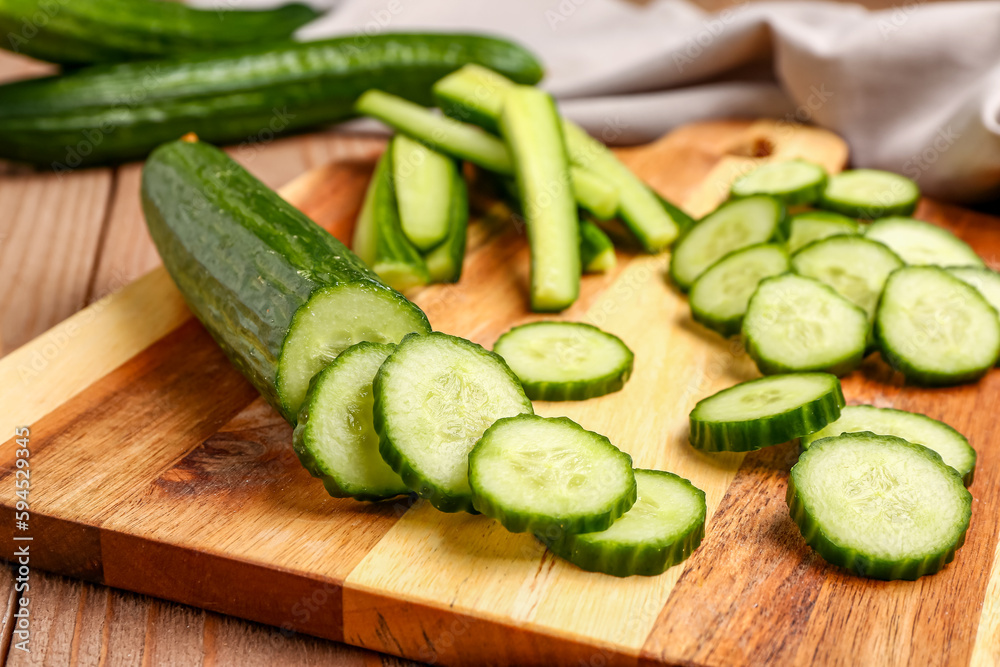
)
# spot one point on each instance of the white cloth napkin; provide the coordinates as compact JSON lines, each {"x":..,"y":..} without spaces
{"x":915,"y":89}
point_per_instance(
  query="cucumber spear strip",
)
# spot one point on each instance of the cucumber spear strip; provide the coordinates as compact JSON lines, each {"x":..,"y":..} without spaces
{"x":549,"y":477}
{"x":378,"y":235}
{"x":765,"y":412}
{"x":423,"y":180}
{"x":919,"y":243}
{"x":597,"y":252}
{"x":565,"y":361}
{"x":530,"y":126}
{"x":720,"y":296}
{"x":444,"y":263}
{"x":734,"y":225}
{"x":664,"y":526}
{"x":804,"y":228}
{"x":434,"y":397}
{"x":793,"y":182}
{"x":335,"y":439}
{"x":856,"y":267}
{"x":795,"y":324}
{"x":475,"y":95}
{"x":594,"y":193}
{"x":280,"y":295}
{"x":878,"y":505}
{"x":911,"y":426}
{"x":935,"y":328}
{"x":869,"y":194}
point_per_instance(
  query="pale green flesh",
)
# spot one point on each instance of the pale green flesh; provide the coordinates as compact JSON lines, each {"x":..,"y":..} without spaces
{"x":779,"y":177}
{"x":548,"y":467}
{"x":332,"y":320}
{"x":806,"y":229}
{"x":423,"y":179}
{"x":871,"y":188}
{"x":400,"y":276}
{"x":594,"y":193}
{"x":364,"y":241}
{"x":881,"y":498}
{"x":921,"y":243}
{"x":665,"y":511}
{"x":803,"y":323}
{"x":340,"y":433}
{"x":938,"y":322}
{"x":603,"y":262}
{"x":736,"y":225}
{"x":443,"y":397}
{"x":986,"y":282}
{"x":725,"y":289}
{"x":561,"y":352}
{"x":766,"y":397}
{"x":855,"y":267}
{"x":477,"y":87}
{"x":915,"y":428}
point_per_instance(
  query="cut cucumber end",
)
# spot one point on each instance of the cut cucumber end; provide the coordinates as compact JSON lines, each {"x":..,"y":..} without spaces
{"x":870,"y":194}
{"x":794,"y":182}
{"x":921,"y":243}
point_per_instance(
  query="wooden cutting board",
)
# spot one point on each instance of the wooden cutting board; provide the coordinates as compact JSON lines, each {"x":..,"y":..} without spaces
{"x":155,"y":468}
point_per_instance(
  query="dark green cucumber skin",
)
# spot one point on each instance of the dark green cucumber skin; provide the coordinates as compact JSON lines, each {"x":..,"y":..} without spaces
{"x":111,"y":113}
{"x":86,"y":32}
{"x":765,"y":432}
{"x":244,"y":259}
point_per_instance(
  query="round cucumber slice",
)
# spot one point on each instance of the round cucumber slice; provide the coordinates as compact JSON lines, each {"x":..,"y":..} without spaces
{"x":335,"y":439}
{"x":869,"y":194}
{"x":793,"y":182}
{"x":986,"y":281}
{"x":804,"y":228}
{"x":565,"y":361}
{"x":856,"y":267}
{"x":434,"y":397}
{"x":919,"y":243}
{"x":664,"y":526}
{"x":795,"y":324}
{"x":720,"y":295}
{"x":916,"y":428}
{"x":936,"y":329}
{"x":765,"y":412}
{"x":878,"y":505}
{"x":550,"y":476}
{"x":734,"y":225}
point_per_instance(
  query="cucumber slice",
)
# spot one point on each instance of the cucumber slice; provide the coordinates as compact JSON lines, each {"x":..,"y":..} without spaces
{"x":936,"y":329}
{"x":423,"y":180}
{"x":664,"y":526}
{"x":444,"y":263}
{"x":378,"y":236}
{"x":805,"y":228}
{"x":796,"y":324}
{"x":793,"y":182}
{"x":911,"y":426}
{"x":434,"y":397}
{"x":921,"y":243}
{"x":720,"y":295}
{"x":335,"y":439}
{"x":530,"y":126}
{"x":565,"y":361}
{"x":550,"y":476}
{"x":870,"y":194}
{"x":594,"y":193}
{"x":597,"y":252}
{"x":734,"y":225}
{"x":878,"y":505}
{"x":856,"y":267}
{"x":765,"y":412}
{"x":986,"y":281}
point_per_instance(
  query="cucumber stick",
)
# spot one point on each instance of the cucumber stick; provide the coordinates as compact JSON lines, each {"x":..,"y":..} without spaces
{"x":565,"y":361}
{"x":84,"y":32}
{"x":335,"y":438}
{"x":530,"y":126}
{"x":378,"y":235}
{"x":423,"y":180}
{"x":765,"y":412}
{"x":869,"y":194}
{"x":921,"y":243}
{"x":245,"y":94}
{"x":280,"y":295}
{"x":433,"y":398}
{"x":913,"y":427}
{"x":664,"y":526}
{"x":444,"y":263}
{"x":549,"y":477}
{"x":597,"y":252}
{"x":794,"y":182}
{"x":878,"y":505}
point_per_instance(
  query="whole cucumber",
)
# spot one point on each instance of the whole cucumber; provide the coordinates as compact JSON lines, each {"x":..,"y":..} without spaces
{"x":112,"y":113}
